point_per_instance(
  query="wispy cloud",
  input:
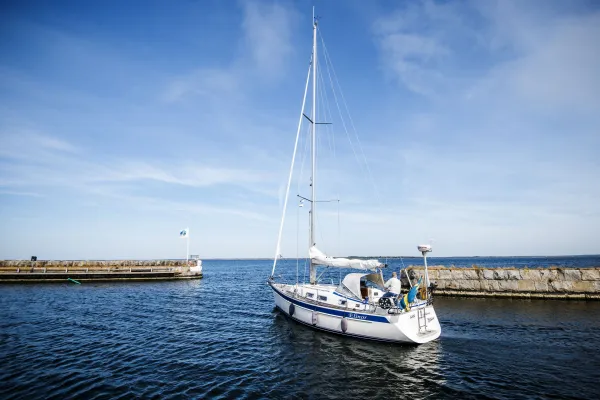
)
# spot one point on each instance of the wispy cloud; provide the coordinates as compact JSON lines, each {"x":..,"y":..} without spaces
{"x":31,"y":145}
{"x":195,"y":206}
{"x":47,"y":160}
{"x":15,"y":193}
{"x":420,"y":45}
{"x":185,"y":173}
{"x":204,"y":82}
{"x":264,"y":51}
{"x":530,"y":52}
{"x":409,"y":57}
{"x":557,"y":67}
{"x":268,"y":36}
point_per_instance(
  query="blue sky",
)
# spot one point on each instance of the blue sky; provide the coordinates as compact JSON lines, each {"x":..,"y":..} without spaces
{"x":123,"y":122}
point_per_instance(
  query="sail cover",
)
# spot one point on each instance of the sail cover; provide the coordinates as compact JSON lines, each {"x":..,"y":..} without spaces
{"x":320,"y":258}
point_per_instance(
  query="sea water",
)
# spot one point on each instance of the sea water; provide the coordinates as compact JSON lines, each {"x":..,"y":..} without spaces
{"x":220,"y":337}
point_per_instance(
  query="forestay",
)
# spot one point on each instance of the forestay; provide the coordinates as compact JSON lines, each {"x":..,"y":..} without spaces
{"x":319,"y":258}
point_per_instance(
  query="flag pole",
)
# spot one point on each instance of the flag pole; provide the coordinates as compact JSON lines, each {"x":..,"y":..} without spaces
{"x":187,"y":254}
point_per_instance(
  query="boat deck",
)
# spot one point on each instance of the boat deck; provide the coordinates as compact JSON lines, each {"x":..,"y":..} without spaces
{"x":372,"y":308}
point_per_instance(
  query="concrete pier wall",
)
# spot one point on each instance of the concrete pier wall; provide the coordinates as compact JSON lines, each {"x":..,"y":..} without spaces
{"x":94,"y":270}
{"x":90,"y":263}
{"x":553,"y":282}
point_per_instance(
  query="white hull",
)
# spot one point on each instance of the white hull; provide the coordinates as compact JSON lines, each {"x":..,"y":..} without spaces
{"x":405,"y":327}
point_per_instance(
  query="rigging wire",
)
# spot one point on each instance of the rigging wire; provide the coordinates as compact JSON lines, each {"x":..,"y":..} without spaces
{"x":320,"y":89}
{"x":289,"y":181}
{"x":331,"y":136}
{"x":329,"y":114}
{"x":297,"y":242}
{"x":300,"y":175}
{"x":328,"y":131}
{"x":329,"y":65}
{"x":366,"y":163}
{"x":303,"y":157}
{"x":352,"y":146}
{"x":339,"y":235}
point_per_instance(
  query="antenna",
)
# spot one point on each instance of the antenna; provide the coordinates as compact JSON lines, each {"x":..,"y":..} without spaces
{"x":424,"y":249}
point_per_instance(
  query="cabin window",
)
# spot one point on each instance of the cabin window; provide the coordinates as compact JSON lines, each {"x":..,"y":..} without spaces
{"x":375,"y":293}
{"x":310,"y":295}
{"x":357,"y":305}
{"x":342,"y":302}
{"x":322,"y":298}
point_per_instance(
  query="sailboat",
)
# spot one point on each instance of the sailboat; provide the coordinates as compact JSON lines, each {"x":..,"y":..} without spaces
{"x":359,"y":305}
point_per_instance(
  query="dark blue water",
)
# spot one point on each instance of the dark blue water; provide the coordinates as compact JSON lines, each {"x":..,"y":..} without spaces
{"x":220,"y":337}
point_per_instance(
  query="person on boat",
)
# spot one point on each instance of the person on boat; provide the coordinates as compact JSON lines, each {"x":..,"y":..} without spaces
{"x":392,"y":286}
{"x":364,"y":291}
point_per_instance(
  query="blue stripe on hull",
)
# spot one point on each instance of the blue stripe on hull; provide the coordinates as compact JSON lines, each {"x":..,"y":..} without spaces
{"x":342,"y":333}
{"x":337,"y":313}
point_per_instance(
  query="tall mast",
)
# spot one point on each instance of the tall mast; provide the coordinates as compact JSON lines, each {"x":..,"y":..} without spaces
{"x":313,"y":270}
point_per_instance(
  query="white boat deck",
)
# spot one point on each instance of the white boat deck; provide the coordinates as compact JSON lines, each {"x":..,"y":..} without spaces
{"x":325,"y":296}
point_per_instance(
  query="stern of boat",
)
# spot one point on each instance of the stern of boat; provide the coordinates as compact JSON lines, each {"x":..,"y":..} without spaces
{"x":420,"y":325}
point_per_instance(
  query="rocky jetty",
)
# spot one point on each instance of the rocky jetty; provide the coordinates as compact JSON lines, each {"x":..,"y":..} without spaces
{"x":553,"y":282}
{"x":96,"y":270}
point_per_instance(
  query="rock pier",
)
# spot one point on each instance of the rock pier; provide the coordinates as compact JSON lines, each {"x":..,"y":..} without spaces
{"x":90,"y":270}
{"x":540,"y":283}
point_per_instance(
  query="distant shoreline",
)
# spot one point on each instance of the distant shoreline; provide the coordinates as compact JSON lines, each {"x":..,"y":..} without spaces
{"x":304,"y":258}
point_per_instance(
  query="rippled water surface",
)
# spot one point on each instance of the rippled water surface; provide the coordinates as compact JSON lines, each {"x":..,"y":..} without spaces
{"x":221,"y":337}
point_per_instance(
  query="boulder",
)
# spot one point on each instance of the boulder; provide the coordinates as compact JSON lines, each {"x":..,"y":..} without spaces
{"x":470,"y":285}
{"x":457,"y":274}
{"x":441,"y":284}
{"x":548,"y":274}
{"x":571,"y":274}
{"x":590,"y":274}
{"x":488,"y":274}
{"x":526,"y":286}
{"x":560,"y":286}
{"x":445,"y":274}
{"x":471,"y":274}
{"x":508,"y":286}
{"x":452,"y":284}
{"x":493,"y":286}
{"x":434,"y":274}
{"x":530,"y":274}
{"x":513,"y":274}
{"x":500,"y":274}
{"x":583,"y":286}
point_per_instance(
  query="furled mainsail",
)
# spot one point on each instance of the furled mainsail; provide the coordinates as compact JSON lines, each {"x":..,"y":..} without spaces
{"x":320,"y":258}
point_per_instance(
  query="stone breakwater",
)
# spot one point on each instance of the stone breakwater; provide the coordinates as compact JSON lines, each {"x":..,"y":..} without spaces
{"x":105,"y":270}
{"x":90,"y":263}
{"x":542,"y":283}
